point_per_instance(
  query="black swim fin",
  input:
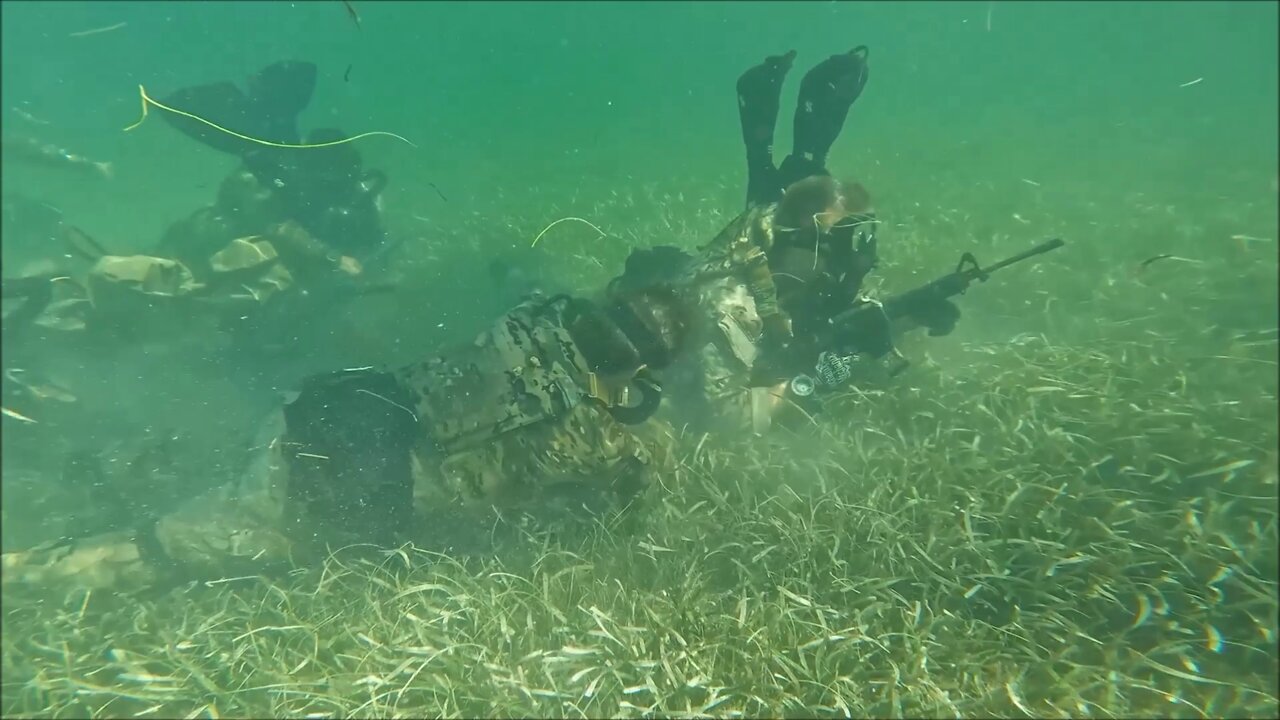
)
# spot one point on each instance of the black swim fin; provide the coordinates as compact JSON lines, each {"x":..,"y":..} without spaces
{"x":759,"y":90}
{"x":826,"y":94}
{"x":222,"y":103}
{"x":268,"y":111}
{"x":279,"y":93}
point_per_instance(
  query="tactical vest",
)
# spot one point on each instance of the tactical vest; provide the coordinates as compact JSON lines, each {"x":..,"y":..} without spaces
{"x":523,"y":370}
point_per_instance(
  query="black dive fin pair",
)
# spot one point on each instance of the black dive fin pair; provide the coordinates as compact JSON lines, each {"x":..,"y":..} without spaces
{"x":827,"y":92}
{"x":267,"y":111}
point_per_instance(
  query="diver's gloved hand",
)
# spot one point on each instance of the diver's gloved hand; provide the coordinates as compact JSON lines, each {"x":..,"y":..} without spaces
{"x":776,"y":352}
{"x":834,"y":370}
{"x":938,"y":315}
{"x":349,"y":265}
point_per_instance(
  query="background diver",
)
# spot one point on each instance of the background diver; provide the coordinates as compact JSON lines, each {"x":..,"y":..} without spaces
{"x":325,"y":190}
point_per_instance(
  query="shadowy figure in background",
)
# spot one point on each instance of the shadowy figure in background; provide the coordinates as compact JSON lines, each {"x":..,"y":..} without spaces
{"x":292,"y":230}
{"x":325,"y":190}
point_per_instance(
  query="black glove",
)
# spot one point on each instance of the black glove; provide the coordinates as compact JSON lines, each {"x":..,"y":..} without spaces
{"x":938,"y":315}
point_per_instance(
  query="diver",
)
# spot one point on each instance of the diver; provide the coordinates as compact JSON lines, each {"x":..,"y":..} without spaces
{"x":786,"y":216}
{"x":545,"y":415}
{"x":325,"y":190}
{"x":284,"y":240}
{"x":746,"y":247}
{"x":542,"y":407}
{"x":796,"y":256}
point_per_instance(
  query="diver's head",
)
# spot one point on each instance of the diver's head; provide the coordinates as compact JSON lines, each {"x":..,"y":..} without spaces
{"x":820,"y":203}
{"x":635,"y":328}
{"x":832,"y":217}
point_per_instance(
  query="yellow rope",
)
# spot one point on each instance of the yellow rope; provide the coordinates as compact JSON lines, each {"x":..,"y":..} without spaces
{"x":148,"y":100}
{"x":565,"y":219}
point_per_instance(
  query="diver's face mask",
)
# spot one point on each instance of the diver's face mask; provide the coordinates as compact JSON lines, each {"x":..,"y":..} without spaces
{"x":848,"y":248}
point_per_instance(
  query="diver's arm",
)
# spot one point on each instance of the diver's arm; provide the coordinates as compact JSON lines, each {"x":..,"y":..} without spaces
{"x":301,"y":247}
{"x":739,"y":252}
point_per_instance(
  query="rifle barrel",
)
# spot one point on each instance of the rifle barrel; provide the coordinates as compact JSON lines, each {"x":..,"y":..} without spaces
{"x":1040,"y":249}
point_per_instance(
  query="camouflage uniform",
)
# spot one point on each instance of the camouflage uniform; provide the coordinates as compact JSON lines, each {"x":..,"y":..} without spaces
{"x":230,"y":530}
{"x":737,"y":292}
{"x":744,"y":303}
{"x":231,"y":260}
{"x":514,"y":419}
{"x":222,"y":262}
{"x":247,"y":209}
{"x":740,"y":254}
{"x":515,"y":415}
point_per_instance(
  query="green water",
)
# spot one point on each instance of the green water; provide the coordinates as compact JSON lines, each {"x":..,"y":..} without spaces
{"x":1128,"y":129}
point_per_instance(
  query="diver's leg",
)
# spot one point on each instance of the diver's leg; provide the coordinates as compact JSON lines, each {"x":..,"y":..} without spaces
{"x":758,"y":91}
{"x":228,"y":531}
{"x":347,"y":447}
{"x":221,"y":533}
{"x":124,"y":562}
{"x":826,"y":94}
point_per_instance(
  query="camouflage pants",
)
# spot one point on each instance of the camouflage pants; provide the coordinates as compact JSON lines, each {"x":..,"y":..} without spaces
{"x":584,"y":456}
{"x":255,"y":524}
{"x":232,"y":529}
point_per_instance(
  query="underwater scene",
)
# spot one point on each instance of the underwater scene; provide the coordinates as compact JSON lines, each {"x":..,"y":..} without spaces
{"x":632,"y":359}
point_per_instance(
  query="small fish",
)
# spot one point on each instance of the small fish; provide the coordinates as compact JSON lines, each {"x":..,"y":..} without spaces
{"x":16,"y":415}
{"x":34,"y":152}
{"x":29,"y":117}
{"x":1213,"y":639}
{"x":1249,"y":238}
{"x":97,"y":31}
{"x":346,"y":76}
{"x":51,"y":392}
{"x":1145,"y":263}
{"x":355,"y":16}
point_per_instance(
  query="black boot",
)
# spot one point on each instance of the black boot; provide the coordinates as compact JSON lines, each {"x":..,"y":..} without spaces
{"x":826,"y":94}
{"x":759,"y":90}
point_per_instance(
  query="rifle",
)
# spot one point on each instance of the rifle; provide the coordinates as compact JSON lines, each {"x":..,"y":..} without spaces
{"x":866,"y":328}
